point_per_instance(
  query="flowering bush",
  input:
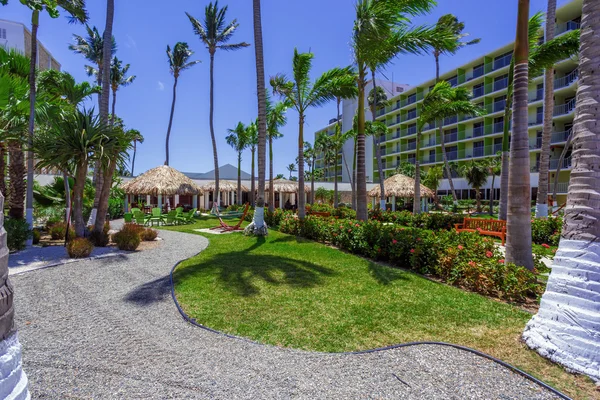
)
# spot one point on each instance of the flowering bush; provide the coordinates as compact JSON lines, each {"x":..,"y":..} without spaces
{"x":546,"y":230}
{"x":433,"y":221}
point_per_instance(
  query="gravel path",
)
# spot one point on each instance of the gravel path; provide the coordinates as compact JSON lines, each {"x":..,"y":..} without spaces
{"x":108,"y":328}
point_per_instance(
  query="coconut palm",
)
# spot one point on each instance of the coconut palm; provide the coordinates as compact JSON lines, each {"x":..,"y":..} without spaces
{"x":118,"y":78}
{"x":179,"y":61}
{"x":238,"y":141}
{"x":476,"y":174}
{"x":432,"y":179}
{"x":303,"y":94}
{"x":280,"y":176}
{"x":136,"y":138}
{"x":310,"y":159}
{"x":377,"y":100}
{"x":518,"y":242}
{"x":565,"y":327}
{"x":449,"y":24}
{"x":215,"y":33}
{"x":276,"y":118}
{"x":441,"y":102}
{"x":291,"y":169}
{"x":494,"y":167}
{"x":252,"y":143}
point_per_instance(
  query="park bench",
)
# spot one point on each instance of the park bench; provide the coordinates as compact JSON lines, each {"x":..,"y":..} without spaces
{"x":489,"y":227}
{"x":319,"y":214}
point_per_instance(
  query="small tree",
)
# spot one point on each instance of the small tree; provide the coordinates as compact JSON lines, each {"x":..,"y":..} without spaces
{"x":238,"y":141}
{"x":476,"y":174}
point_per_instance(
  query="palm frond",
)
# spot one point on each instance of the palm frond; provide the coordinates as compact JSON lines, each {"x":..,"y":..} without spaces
{"x":547,"y":54}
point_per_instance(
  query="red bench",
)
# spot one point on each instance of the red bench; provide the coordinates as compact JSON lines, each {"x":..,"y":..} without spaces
{"x":489,"y":227}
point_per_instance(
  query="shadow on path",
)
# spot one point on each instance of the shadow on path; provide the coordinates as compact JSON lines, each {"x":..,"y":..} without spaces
{"x":150,"y":292}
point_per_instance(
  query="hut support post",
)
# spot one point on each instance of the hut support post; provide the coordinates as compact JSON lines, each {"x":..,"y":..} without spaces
{"x":195,"y":201}
{"x":393,"y":203}
{"x":176,"y":201}
{"x":148,"y":199}
{"x":373,"y":203}
{"x":159,"y":205}
{"x":280,"y":200}
{"x":126,"y":205}
{"x":206,"y":205}
{"x":293,"y":198}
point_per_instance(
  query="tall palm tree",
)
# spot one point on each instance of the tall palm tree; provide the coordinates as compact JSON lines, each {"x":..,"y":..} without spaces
{"x":441,"y":102}
{"x":310,"y":159}
{"x":377,"y":100}
{"x":291,"y":169}
{"x":302,"y":94}
{"x":252,"y":143}
{"x":118,"y":78}
{"x":449,"y":23}
{"x":565,"y":329}
{"x":276,"y":118}
{"x":541,"y":207}
{"x":137,"y":138}
{"x":476,"y":174}
{"x":238,"y":141}
{"x":432,"y":179}
{"x":518,"y":242}
{"x":179,"y":61}
{"x":494,"y":168}
{"x":215,"y":33}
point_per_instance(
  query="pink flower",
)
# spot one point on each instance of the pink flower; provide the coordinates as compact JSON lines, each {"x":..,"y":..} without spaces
{"x":357,"y":225}
{"x":488,"y":254}
{"x":394,"y":241}
{"x":545,"y":245}
{"x":472,"y":263}
{"x":501,"y":261}
{"x":412,"y":251}
{"x":349,"y":230}
{"x":460,"y":247}
{"x":418,"y":239}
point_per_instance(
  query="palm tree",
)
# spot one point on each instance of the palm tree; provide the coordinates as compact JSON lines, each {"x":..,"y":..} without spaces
{"x":276,"y":118}
{"x":377,"y":100}
{"x":179,"y":61}
{"x":118,"y":78}
{"x":310,"y":159}
{"x":565,"y":327}
{"x":215,"y":33}
{"x":494,"y":168}
{"x":252,"y":143}
{"x":302,"y":94}
{"x":476,"y":174}
{"x":291,"y":168}
{"x":432,"y":179}
{"x":238,"y":141}
{"x":280,"y":176}
{"x":441,"y":102}
{"x":450,"y":24}
{"x":518,"y":226}
{"x":137,"y":138}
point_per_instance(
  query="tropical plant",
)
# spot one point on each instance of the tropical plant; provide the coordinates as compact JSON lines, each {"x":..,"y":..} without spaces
{"x":563,"y":329}
{"x":238,"y":140}
{"x":280,"y":176}
{"x":406,"y":168}
{"x":303,"y":94}
{"x":449,"y":24}
{"x":276,"y":118}
{"x":310,"y":159}
{"x":252,"y":143}
{"x":494,"y":165}
{"x":291,"y":168}
{"x":432,"y":179}
{"x":216,"y":34}
{"x":179,"y":61}
{"x":476,"y":174}
{"x":118,"y":78}
{"x":136,"y":138}
{"x":441,"y":102}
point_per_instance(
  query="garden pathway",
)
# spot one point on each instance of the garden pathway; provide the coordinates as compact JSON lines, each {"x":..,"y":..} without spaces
{"x":108,"y":328}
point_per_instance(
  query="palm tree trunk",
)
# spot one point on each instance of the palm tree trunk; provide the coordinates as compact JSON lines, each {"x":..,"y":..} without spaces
{"x":312,"y":180}
{"x":355,"y":194}
{"x":350,"y":177}
{"x":377,"y":146}
{"x":67,"y":197}
{"x":565,"y":328}
{"x":417,"y":198}
{"x":216,"y":201}
{"x":441,"y":133}
{"x":16,"y":173}
{"x":301,"y":201}
{"x":35,"y":20}
{"x":133,"y":159}
{"x":478,"y":198}
{"x":518,"y":243}
{"x":78,"y":222}
{"x":339,"y":132}
{"x":171,"y":121}
{"x":271,"y":191}
{"x":541,"y":209}
{"x":361,"y":176}
{"x":2,"y":169}
{"x":505,"y":171}
{"x":239,"y":179}
{"x":252,"y":184}
{"x":492,"y":195}
{"x":114,"y":106}
{"x":105,"y":194}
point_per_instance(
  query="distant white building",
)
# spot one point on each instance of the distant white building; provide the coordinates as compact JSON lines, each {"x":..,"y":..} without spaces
{"x":15,"y":35}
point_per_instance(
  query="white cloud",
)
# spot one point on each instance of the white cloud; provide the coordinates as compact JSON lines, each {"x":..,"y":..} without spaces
{"x":130,"y":42}
{"x":161,"y":86}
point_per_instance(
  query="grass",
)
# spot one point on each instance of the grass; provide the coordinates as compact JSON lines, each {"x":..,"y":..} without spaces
{"x":296,"y":293}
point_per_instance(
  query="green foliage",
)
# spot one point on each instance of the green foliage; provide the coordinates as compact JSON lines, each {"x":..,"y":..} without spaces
{"x":17,"y":233}
{"x":148,"y":234}
{"x":58,"y":231}
{"x":128,"y":238}
{"x":37,"y":235}
{"x":546,"y":231}
{"x":100,"y":239}
{"x":79,"y":248}
{"x":115,"y":207}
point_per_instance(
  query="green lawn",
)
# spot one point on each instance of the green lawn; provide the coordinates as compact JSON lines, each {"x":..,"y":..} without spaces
{"x":296,"y":293}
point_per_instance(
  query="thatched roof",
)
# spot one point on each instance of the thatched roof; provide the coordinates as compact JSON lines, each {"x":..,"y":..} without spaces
{"x":400,"y":186}
{"x":285,"y":186}
{"x":161,"y":180}
{"x":224,"y":186}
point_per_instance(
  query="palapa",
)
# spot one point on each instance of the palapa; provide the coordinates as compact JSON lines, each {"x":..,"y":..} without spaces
{"x":285,"y":186}
{"x":162,"y":180}
{"x":224,"y":186}
{"x":400,"y":186}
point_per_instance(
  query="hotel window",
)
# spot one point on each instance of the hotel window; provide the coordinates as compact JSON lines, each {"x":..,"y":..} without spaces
{"x":2,"y":33}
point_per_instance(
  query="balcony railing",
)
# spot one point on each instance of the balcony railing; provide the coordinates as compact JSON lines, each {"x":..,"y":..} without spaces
{"x":539,"y":119}
{"x":428,"y":143}
{"x":566,"y":163}
{"x":451,"y":120}
{"x":498,"y":127}
{"x":411,"y":115}
{"x":429,"y":159}
{"x":502,"y":62}
{"x":411,"y":130}
{"x":500,"y":84}
{"x":535,"y":143}
{"x":450,"y":137}
{"x":566,"y":80}
{"x":452,"y":155}
{"x":380,"y":112}
{"x":478,"y":92}
{"x":496,"y":107}
{"x":393,"y":164}
{"x":478,"y":151}
{"x":567,"y":26}
{"x":496,"y":148}
{"x":393,"y":135}
{"x":564,"y":109}
{"x":410,"y":146}
{"x":559,"y":137}
{"x":536,"y":95}
{"x":561,"y":187}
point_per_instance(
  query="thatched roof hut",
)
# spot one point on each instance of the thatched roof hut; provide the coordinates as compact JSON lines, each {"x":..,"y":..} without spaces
{"x":224,"y":186}
{"x":162,"y":180}
{"x":285,"y":186}
{"x":400,"y":186}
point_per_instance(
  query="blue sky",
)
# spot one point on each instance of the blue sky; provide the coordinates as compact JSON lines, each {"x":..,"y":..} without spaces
{"x":143,"y":30}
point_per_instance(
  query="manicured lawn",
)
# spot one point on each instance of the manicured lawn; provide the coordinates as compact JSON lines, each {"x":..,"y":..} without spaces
{"x":296,"y":293}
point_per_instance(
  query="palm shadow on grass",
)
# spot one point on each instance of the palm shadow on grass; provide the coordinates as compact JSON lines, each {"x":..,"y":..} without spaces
{"x":238,"y":271}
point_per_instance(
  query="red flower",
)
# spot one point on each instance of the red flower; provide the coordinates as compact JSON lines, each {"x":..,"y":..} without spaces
{"x":418,"y":239}
{"x":357,"y":225}
{"x":349,"y":230}
{"x":501,"y":261}
{"x":472,"y":263}
{"x":488,"y":254}
{"x":394,"y":241}
{"x":545,"y":245}
{"x":460,"y":247}
{"x":412,"y":250}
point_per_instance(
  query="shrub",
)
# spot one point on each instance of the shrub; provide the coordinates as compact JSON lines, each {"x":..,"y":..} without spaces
{"x":79,"y":248}
{"x":58,"y":231}
{"x":37,"y":235}
{"x":148,"y":234}
{"x":17,"y":233}
{"x":115,"y":208}
{"x":128,"y":238}
{"x":99,"y":239}
{"x":546,"y":230}
{"x":343,"y":212}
